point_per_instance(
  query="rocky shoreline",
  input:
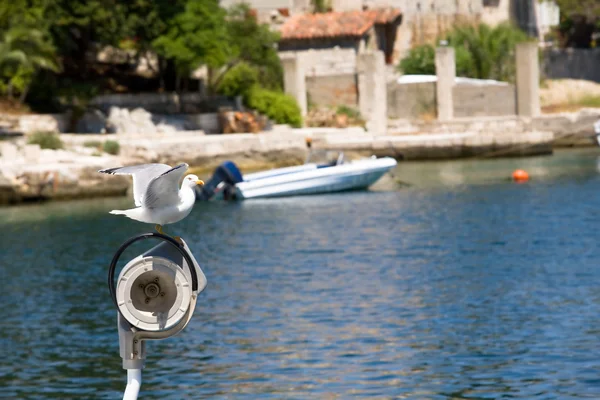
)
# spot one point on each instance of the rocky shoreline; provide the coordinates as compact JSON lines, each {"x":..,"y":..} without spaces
{"x":28,"y":173}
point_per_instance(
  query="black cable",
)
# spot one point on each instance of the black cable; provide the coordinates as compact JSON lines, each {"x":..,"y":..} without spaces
{"x":186,"y":256}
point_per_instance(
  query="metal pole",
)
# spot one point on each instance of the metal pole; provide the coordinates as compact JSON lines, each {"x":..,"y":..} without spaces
{"x":134,"y":381}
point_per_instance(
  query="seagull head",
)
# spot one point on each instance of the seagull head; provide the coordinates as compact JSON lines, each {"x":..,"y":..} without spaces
{"x":192,"y":181}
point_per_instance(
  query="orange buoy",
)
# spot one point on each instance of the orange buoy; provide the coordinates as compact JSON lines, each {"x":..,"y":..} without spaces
{"x":520,"y":176}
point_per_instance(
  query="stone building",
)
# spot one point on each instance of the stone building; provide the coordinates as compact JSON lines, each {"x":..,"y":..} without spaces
{"x":356,"y":30}
{"x":329,"y":47}
{"x":422,"y":21}
{"x":274,"y":11}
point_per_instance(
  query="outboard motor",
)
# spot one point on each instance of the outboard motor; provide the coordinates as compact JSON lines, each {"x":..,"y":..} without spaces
{"x":228,"y":173}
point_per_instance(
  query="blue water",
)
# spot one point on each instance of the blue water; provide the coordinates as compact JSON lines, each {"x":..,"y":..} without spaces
{"x":425,"y":287}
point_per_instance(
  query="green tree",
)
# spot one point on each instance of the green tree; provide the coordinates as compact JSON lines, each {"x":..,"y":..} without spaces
{"x":78,"y":26}
{"x":239,"y":80}
{"x":195,"y":37}
{"x":579,"y":21}
{"x":590,"y":9}
{"x":23,"y":52}
{"x":146,"y":20}
{"x":22,"y":13}
{"x":82,"y":27}
{"x":254,"y":44}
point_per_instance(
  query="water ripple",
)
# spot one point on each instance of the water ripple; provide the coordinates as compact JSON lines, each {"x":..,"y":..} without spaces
{"x":472,"y":292}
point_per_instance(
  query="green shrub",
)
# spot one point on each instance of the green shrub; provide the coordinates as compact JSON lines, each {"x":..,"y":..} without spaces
{"x":590,"y":101}
{"x":92,"y":143}
{"x":481,"y":52}
{"x":419,"y":61}
{"x":238,"y":80}
{"x":278,"y":106}
{"x":46,"y":140}
{"x":348,"y":111}
{"x":111,"y":147}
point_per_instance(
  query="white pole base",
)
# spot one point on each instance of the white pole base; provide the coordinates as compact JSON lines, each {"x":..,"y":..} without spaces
{"x":134,"y":381}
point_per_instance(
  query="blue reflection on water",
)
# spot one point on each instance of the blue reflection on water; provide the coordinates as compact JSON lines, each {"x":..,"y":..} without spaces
{"x":472,"y":291}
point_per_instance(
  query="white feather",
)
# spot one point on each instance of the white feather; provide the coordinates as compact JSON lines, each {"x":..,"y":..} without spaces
{"x":157,"y":194}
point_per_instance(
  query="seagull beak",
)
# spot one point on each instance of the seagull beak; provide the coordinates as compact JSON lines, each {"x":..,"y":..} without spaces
{"x":200,"y":183}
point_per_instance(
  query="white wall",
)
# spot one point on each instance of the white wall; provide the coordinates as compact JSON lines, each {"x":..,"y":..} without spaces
{"x":326,"y":62}
{"x":444,"y":7}
{"x":346,"y":5}
{"x":496,"y":15}
{"x":266,"y":6}
{"x":407,"y":7}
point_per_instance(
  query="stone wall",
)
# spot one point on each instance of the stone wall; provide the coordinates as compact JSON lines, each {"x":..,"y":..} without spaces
{"x":492,"y":100}
{"x":29,"y":123}
{"x":163,"y":103}
{"x":44,"y":122}
{"x":424,"y":21}
{"x":572,"y":64}
{"x":446,"y":145}
{"x":332,"y":90}
{"x":418,"y":100}
{"x":411,"y":101}
{"x":569,"y":129}
{"x":326,"y":62}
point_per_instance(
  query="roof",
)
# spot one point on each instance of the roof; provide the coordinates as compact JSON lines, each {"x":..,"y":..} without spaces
{"x":335,"y":24}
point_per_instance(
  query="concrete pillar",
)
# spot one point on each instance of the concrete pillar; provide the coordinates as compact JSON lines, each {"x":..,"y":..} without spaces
{"x":8,"y":151}
{"x":372,"y":90}
{"x":528,"y":80}
{"x":294,"y":80}
{"x":445,"y":69}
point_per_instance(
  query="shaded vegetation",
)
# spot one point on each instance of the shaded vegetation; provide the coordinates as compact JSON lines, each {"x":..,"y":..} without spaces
{"x":49,"y":49}
{"x":92,"y":143}
{"x":46,"y":140}
{"x":239,"y":80}
{"x":111,"y":147}
{"x":579,"y":23}
{"x":278,"y":106}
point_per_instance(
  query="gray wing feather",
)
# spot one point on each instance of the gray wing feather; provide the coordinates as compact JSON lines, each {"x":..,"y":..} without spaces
{"x":142,"y":176}
{"x":164,"y":189}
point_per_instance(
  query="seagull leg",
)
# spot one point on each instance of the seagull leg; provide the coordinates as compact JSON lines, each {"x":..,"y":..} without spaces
{"x":159,"y":229}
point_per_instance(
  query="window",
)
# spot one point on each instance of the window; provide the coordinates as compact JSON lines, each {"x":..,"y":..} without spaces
{"x":491,"y":3}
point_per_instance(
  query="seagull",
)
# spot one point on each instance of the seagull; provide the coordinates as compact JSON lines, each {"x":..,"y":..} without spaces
{"x":156,"y":193}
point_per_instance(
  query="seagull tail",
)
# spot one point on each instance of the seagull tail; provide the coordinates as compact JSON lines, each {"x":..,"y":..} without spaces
{"x":119,"y":212}
{"x":138,"y":214}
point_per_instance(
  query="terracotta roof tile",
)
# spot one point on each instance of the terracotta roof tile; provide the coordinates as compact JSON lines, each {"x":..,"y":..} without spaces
{"x":335,"y":24}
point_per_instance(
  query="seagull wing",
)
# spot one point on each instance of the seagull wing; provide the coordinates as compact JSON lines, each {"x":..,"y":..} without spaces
{"x":142,"y":176}
{"x":164,"y":189}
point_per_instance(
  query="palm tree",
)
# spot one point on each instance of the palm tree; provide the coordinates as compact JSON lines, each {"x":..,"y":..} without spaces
{"x":486,"y":52}
{"x":481,"y":52}
{"x":23,"y":52}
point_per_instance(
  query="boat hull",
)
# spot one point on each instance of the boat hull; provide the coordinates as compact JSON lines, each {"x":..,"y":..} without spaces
{"x":352,"y":176}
